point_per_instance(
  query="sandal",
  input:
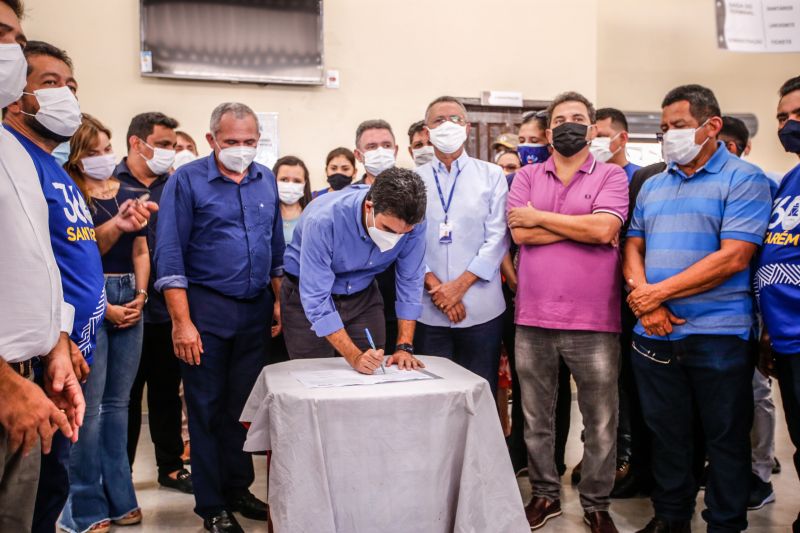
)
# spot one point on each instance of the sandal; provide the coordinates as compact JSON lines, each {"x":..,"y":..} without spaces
{"x":134,"y":517}
{"x":101,"y":527}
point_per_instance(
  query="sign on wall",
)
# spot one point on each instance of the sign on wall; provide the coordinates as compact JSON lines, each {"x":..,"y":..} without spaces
{"x":758,"y":25}
{"x":267,"y":150}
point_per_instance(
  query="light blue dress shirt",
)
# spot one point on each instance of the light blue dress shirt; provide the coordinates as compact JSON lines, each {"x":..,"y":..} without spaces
{"x":477,"y":215}
{"x":332,"y":254}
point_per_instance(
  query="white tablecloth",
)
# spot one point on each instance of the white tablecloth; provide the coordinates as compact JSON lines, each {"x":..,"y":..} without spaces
{"x":414,"y":457}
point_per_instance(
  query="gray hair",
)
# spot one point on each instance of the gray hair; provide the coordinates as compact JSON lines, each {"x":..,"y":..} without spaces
{"x":444,"y":100}
{"x":376,"y":124}
{"x":239,"y":111}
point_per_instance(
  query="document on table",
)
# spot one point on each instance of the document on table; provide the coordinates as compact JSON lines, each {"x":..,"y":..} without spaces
{"x":345,"y":377}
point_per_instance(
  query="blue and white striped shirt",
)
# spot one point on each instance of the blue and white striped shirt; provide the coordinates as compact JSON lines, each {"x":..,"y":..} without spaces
{"x":684,"y":218}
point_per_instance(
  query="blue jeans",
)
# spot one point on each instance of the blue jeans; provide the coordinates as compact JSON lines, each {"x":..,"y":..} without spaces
{"x":101,"y":486}
{"x":476,"y":348}
{"x":713,"y":373}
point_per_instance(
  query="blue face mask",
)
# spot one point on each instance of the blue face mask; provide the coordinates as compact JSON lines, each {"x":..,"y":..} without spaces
{"x":532,"y":153}
{"x":789,"y":135}
{"x":61,"y":153}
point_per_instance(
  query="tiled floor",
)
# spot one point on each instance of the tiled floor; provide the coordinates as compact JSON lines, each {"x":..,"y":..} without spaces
{"x":168,"y":510}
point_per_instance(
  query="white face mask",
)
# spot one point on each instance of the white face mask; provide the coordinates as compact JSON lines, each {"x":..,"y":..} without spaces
{"x":13,"y":73}
{"x":290,"y":192}
{"x":99,"y":167}
{"x":422,"y":155}
{"x":679,"y":147}
{"x":384,"y":240}
{"x":378,"y":160}
{"x":161,"y":161}
{"x":59,"y":110}
{"x":237,"y":158}
{"x":183,"y":157}
{"x":448,"y":137}
{"x":601,"y":148}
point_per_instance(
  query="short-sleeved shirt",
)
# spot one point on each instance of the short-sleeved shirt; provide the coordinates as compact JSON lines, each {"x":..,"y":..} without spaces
{"x":630,"y":169}
{"x":682,"y":219}
{"x":119,"y":258}
{"x":155,"y":311}
{"x":75,"y":248}
{"x":570,"y":285}
{"x":778,"y":274}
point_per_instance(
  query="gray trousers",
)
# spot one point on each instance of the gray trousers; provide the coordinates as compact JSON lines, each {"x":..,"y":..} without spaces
{"x":593,"y":360}
{"x":19,"y":479}
{"x":358,"y":312}
{"x":762,"y":436}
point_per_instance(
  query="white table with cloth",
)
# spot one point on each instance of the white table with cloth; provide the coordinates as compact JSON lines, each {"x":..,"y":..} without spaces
{"x":413,"y":457}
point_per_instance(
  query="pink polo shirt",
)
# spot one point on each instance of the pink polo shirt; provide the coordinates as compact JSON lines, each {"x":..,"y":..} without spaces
{"x":570,"y":285}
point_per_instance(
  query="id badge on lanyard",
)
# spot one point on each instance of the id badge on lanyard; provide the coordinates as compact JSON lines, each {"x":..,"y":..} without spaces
{"x":445,"y":233}
{"x":446,"y":227}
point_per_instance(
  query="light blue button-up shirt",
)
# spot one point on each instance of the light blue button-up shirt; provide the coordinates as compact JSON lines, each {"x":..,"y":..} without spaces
{"x":477,"y":215}
{"x":332,"y":254}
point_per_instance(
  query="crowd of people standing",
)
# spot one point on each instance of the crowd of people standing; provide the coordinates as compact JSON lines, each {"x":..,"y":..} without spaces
{"x":656,"y":289}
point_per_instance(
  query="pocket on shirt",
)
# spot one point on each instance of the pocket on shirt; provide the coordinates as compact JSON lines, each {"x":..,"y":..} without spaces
{"x":265,"y":214}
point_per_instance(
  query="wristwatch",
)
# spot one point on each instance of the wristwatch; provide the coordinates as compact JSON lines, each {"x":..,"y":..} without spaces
{"x":143,"y":293}
{"x":405,"y":347}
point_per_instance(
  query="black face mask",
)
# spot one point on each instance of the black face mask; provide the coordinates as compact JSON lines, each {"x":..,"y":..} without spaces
{"x":339,"y":181}
{"x":570,"y":138}
{"x":789,"y":135}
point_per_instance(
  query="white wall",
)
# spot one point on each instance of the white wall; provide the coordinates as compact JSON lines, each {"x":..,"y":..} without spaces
{"x":647,"y":48}
{"x":393,"y":59}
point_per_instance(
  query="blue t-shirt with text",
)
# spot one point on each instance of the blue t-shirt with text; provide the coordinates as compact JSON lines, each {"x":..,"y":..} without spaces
{"x":72,"y":236}
{"x":778,"y":276}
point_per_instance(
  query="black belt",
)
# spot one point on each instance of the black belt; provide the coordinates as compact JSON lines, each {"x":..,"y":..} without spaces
{"x":23,"y":368}
{"x":294,"y":279}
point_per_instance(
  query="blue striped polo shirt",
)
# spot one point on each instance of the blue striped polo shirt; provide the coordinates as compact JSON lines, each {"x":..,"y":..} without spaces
{"x":683,"y":219}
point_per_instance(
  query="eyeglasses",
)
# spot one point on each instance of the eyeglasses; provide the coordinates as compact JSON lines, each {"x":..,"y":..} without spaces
{"x":455,"y":119}
{"x":542,"y":113}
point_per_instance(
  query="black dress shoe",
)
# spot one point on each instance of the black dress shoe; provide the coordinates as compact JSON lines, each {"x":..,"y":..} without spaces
{"x":658,"y":525}
{"x":224,"y":522}
{"x":183,"y":482}
{"x":250,"y":507}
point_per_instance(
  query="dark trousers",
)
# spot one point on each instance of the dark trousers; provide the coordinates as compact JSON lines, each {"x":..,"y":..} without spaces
{"x":53,"y":489}
{"x":716,"y":372}
{"x":216,"y":392}
{"x":159,"y":368}
{"x":236,"y":344}
{"x":516,"y":440}
{"x":787,"y":368}
{"x":633,"y":437}
{"x":358,"y":312}
{"x":476,"y":348}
